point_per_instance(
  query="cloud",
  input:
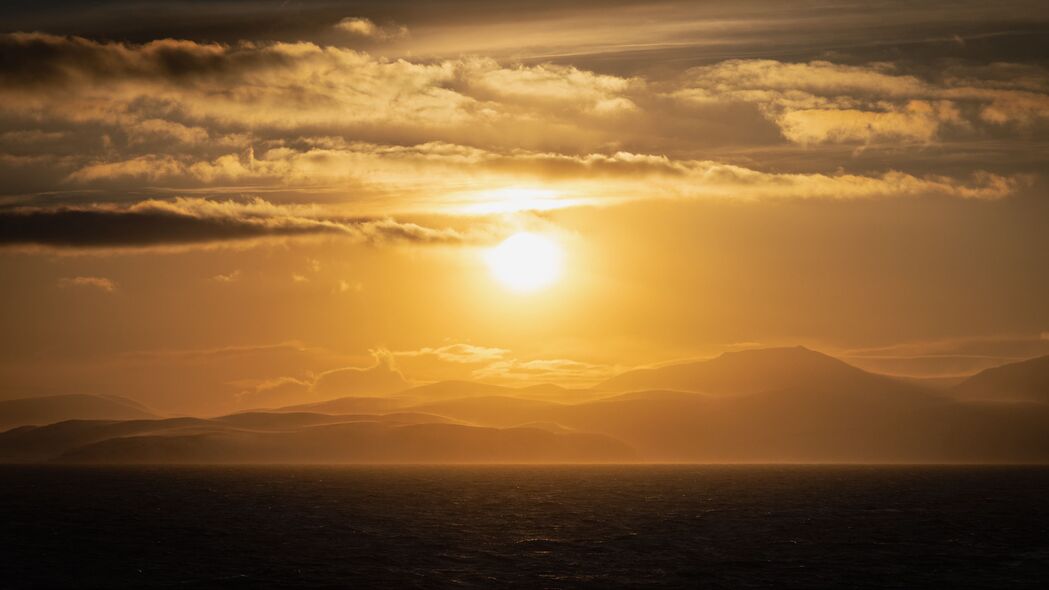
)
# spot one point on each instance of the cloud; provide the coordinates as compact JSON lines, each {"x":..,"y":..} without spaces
{"x":364,"y":27}
{"x":285,"y":86}
{"x":160,"y":129}
{"x":394,"y":371}
{"x":183,"y":221}
{"x":230,"y":277}
{"x":457,"y":353}
{"x":345,"y":286}
{"x":949,"y":357}
{"x":224,"y":354}
{"x":277,"y":392}
{"x":308,"y":123}
{"x":427,"y":176}
{"x":824,"y":102}
{"x":383,"y":377}
{"x":379,"y":379}
{"x":149,"y":168}
{"x":204,"y":381}
{"x":552,"y":86}
{"x":186,"y":90}
{"x":546,"y":370}
{"x":100,"y":283}
{"x":177,"y":115}
{"x":486,"y":363}
{"x":915,"y":121}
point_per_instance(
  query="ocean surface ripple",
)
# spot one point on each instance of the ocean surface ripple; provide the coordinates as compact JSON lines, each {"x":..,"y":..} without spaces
{"x":523,"y":526}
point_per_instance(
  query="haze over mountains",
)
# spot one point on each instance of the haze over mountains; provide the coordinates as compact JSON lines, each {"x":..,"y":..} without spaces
{"x":748,"y":371}
{"x":770,"y":405}
{"x":47,"y":410}
{"x":1024,"y":381}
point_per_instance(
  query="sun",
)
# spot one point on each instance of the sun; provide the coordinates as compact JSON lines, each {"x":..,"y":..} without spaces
{"x":525,"y":262}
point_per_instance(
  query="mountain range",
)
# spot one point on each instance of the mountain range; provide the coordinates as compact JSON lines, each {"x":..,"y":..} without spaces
{"x":767,"y":405}
{"x":56,"y":408}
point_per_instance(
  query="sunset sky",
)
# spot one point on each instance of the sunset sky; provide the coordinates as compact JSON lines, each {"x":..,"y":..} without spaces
{"x":214,"y":206}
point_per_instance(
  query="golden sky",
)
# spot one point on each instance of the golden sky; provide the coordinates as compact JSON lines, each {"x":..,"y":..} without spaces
{"x":214,"y":206}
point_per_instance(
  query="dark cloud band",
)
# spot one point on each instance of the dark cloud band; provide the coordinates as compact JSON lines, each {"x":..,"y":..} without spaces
{"x":192,"y":221}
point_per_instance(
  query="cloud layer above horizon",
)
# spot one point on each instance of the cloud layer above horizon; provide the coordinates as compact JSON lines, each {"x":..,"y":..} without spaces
{"x":857,"y":177}
{"x":375,"y":136}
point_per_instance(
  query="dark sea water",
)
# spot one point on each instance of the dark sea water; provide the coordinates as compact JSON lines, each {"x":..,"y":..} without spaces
{"x":528,"y":527}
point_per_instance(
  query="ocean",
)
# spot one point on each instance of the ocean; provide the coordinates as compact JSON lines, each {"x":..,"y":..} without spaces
{"x":524,"y":527}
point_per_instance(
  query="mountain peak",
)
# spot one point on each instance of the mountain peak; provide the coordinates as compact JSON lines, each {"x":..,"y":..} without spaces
{"x":784,"y":352}
{"x":1026,"y":380}
{"x":743,"y":371}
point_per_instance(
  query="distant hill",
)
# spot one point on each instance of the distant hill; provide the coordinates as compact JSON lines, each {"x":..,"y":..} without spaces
{"x":893,"y":424}
{"x":56,"y":408}
{"x":344,"y":405}
{"x":1023,"y":381}
{"x":748,"y":371}
{"x":36,"y":444}
{"x":360,"y":442}
{"x":448,"y":390}
{"x":303,"y":438}
{"x":934,"y":383}
{"x":775,"y":405}
{"x":455,"y":389}
{"x":293,"y":420}
{"x":431,"y":393}
{"x":493,"y":410}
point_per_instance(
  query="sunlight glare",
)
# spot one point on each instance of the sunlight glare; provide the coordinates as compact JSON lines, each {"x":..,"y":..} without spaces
{"x":515,"y":200}
{"x":525,"y":261}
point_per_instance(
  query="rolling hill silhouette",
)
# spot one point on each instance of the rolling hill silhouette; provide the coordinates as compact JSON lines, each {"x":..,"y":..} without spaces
{"x":456,"y":389}
{"x":748,"y":371}
{"x":1023,"y":381}
{"x":56,"y":408}
{"x":815,"y":425}
{"x":359,"y":442}
{"x":343,"y":405}
{"x":494,"y":410}
{"x":440,"y":391}
{"x":302,"y":438}
{"x":781,"y":405}
{"x":773,"y":405}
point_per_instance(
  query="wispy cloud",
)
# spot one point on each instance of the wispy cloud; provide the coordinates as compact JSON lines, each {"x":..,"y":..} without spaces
{"x":190,"y":221}
{"x":230,"y":277}
{"x":458,"y":353}
{"x":364,"y":27}
{"x":949,"y":357}
{"x":820,"y":101}
{"x":500,"y":365}
{"x":99,"y":283}
{"x":385,"y":136}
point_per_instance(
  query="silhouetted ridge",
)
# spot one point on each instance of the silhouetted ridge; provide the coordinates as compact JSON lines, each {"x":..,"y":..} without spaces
{"x":343,"y":405}
{"x":257,"y":437}
{"x":747,"y":371}
{"x":1023,"y":381}
{"x":785,"y":404}
{"x":57,"y":408}
{"x":443,"y":390}
{"x":459,"y":389}
{"x":359,"y":442}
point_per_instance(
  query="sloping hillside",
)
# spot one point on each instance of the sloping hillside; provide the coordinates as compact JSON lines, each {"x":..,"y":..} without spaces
{"x":748,"y":371}
{"x":56,"y":408}
{"x":1023,"y":381}
{"x":303,"y":438}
